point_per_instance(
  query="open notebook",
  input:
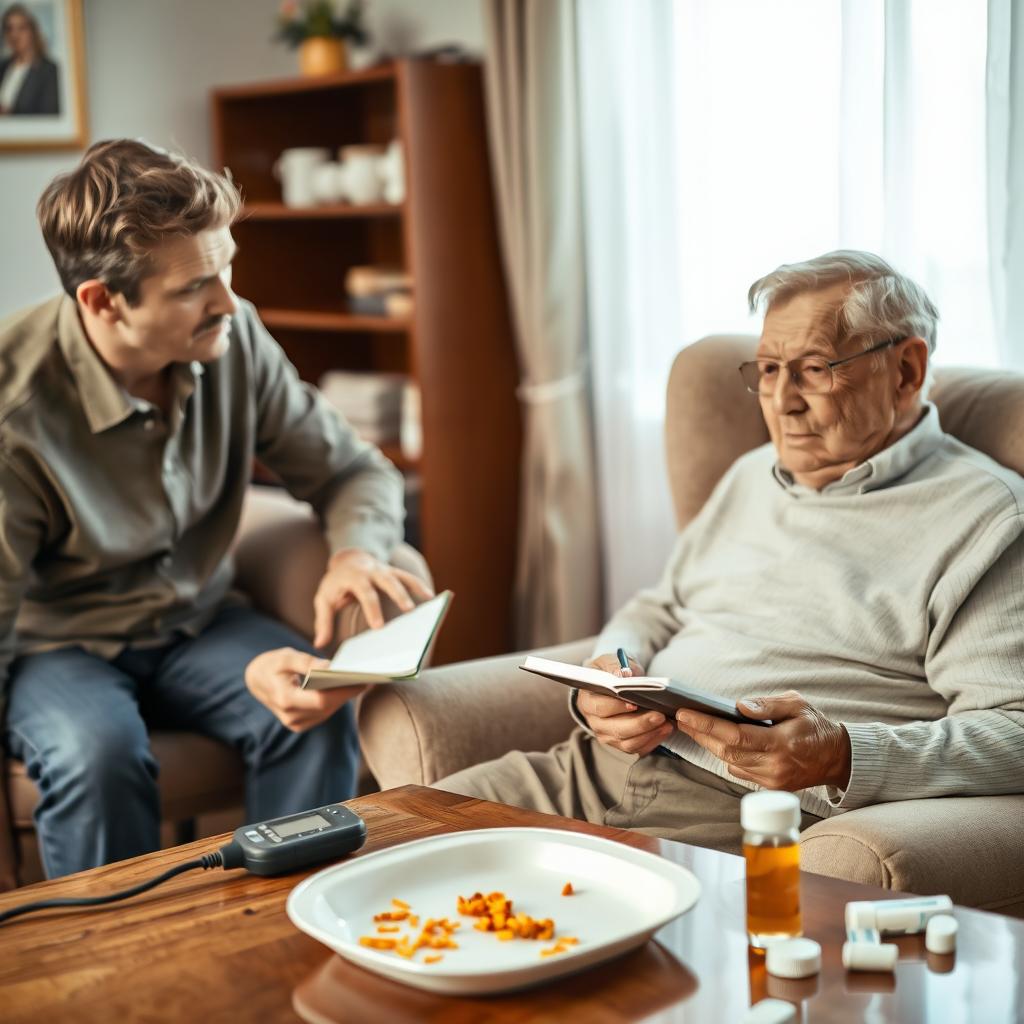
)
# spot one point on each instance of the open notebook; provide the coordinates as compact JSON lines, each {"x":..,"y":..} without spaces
{"x":395,"y":651}
{"x":656,"y":693}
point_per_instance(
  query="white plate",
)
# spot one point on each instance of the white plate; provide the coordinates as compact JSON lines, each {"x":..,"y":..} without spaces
{"x":622,"y":897}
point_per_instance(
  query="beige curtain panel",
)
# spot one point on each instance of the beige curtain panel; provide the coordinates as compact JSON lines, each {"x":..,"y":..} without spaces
{"x":532,"y":107}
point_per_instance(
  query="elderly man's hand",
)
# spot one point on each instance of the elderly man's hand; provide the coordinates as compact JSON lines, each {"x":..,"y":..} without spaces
{"x":802,"y":748}
{"x":273,"y":679}
{"x":618,"y":723}
{"x":355,"y":575}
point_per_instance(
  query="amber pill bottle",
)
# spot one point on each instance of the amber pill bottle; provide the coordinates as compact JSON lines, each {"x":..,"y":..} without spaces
{"x":771,"y":848}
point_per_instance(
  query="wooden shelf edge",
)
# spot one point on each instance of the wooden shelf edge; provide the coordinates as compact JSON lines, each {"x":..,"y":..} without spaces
{"x":309,"y":320}
{"x":278,"y":211}
{"x":279,"y":86}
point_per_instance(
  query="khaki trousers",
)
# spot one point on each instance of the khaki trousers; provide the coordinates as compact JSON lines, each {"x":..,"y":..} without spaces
{"x":659,"y":795}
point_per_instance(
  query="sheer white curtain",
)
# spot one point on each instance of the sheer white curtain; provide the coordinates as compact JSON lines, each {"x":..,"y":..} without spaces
{"x":723,"y":137}
{"x":627,"y":95}
{"x":532,"y":87}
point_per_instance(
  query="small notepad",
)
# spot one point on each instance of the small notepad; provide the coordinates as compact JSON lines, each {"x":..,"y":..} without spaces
{"x":656,"y":693}
{"x":395,"y":651}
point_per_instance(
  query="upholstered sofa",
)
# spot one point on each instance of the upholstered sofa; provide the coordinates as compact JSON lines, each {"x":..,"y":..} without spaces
{"x":454,"y":716}
{"x":280,"y":556}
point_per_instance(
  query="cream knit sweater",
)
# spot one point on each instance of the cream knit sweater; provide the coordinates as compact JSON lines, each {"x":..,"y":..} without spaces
{"x":893,"y":600}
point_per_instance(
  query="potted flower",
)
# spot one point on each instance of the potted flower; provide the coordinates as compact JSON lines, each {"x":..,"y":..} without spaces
{"x":316,"y":28}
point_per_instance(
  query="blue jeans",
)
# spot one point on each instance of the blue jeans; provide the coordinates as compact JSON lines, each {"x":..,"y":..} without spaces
{"x":79,"y":722}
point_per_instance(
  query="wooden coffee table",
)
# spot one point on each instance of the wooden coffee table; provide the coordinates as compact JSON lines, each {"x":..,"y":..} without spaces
{"x":217,"y":946}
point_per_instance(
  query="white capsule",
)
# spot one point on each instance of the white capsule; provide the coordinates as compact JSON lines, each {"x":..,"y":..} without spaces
{"x":863,"y":956}
{"x":940,"y":935}
{"x":771,"y":1011}
{"x":896,"y":917}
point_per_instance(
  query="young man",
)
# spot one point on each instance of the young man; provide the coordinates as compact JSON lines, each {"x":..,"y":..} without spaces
{"x":130,"y":412}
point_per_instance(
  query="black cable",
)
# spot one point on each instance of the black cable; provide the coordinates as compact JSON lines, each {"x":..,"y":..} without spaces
{"x":226,"y":857}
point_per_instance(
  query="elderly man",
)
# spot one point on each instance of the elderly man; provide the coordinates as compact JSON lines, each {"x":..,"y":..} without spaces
{"x":131,"y":408}
{"x":859,"y":582}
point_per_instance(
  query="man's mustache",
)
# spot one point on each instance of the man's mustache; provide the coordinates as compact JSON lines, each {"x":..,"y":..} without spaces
{"x":207,"y":325}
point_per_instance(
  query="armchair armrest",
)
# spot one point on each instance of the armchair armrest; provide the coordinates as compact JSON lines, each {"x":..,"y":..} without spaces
{"x":280,"y":558}
{"x":967,"y":847}
{"x":459,"y":715}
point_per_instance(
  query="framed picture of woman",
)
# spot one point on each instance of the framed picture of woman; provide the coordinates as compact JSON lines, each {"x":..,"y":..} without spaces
{"x":42,"y":75}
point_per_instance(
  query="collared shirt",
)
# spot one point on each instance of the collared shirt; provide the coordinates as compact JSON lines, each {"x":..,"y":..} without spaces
{"x":116,"y":521}
{"x":891,"y":599}
{"x":881,"y":469}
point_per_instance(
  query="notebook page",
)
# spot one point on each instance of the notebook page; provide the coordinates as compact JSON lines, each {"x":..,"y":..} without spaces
{"x":395,"y":649}
{"x":594,"y":676}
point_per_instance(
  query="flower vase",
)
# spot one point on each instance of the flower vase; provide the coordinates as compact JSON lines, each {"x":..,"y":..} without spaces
{"x":320,"y":55}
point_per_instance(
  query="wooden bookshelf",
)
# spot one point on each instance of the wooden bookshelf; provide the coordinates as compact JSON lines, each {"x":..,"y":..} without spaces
{"x":329,"y":320}
{"x":458,"y":344}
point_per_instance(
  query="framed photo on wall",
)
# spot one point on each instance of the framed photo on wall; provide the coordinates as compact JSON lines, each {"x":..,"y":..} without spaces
{"x":42,"y":75}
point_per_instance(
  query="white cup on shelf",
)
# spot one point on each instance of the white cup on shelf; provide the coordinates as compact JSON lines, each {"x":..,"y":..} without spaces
{"x":328,"y":182}
{"x":294,"y":169}
{"x":392,"y":173}
{"x":362,"y":179}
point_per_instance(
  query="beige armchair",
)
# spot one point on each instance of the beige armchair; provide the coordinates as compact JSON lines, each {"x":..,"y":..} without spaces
{"x":969,"y":847}
{"x":280,"y":555}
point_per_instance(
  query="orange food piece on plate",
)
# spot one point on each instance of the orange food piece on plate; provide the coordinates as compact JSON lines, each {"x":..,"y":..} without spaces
{"x":391,"y":915}
{"x":493,"y":913}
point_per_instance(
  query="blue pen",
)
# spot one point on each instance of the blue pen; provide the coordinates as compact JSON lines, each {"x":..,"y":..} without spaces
{"x":624,"y":662}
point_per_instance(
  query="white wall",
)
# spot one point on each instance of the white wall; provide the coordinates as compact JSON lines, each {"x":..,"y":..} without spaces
{"x":151,"y":64}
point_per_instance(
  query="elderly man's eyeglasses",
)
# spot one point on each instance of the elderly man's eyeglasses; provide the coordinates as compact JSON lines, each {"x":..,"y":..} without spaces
{"x":811,"y":375}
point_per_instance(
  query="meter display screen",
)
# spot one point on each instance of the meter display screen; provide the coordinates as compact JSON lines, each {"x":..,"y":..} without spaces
{"x":296,"y":825}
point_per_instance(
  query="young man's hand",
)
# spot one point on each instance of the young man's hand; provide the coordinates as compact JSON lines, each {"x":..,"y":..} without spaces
{"x":618,"y":723}
{"x":274,"y":679}
{"x":355,"y":575}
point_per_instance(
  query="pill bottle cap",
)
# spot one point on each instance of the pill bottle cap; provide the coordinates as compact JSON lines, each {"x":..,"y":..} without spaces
{"x":771,"y":1011}
{"x":865,"y":956}
{"x":940,"y":934}
{"x":770,"y":811}
{"x":793,"y":958}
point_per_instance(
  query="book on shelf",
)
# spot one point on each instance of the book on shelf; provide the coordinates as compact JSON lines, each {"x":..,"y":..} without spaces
{"x":373,"y":280}
{"x":397,"y":305}
{"x":379,"y":291}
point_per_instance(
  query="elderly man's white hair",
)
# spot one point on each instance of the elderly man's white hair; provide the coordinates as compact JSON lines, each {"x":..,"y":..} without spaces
{"x":882,"y":303}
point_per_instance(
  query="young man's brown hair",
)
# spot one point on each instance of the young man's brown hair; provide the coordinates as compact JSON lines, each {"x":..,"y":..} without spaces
{"x":102,"y":220}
